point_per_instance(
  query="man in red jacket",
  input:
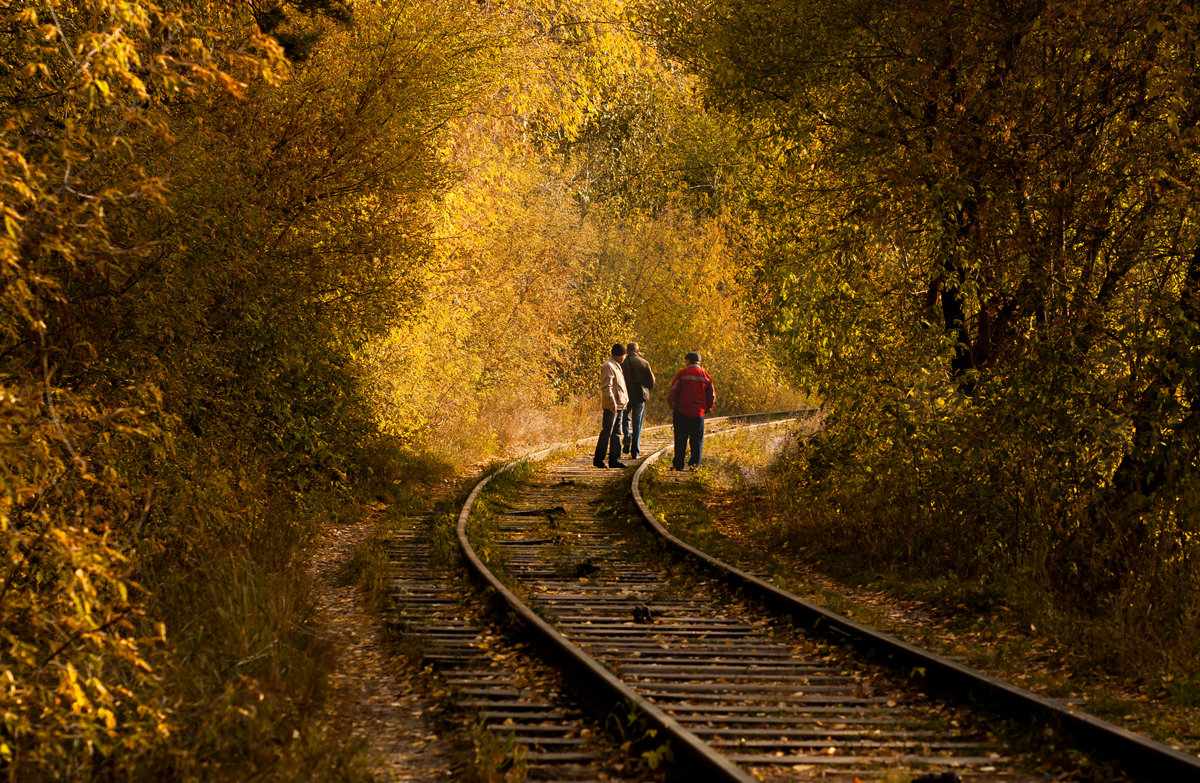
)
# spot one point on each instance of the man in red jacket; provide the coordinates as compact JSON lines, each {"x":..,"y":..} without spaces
{"x":691,"y":398}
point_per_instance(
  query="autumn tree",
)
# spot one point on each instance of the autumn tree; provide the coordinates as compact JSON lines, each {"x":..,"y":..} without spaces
{"x":984,"y":254}
{"x":203,"y":225}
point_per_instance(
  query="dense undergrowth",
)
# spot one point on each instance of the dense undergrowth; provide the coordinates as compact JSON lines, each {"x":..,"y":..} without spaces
{"x":1015,"y":520}
{"x":181,"y":411}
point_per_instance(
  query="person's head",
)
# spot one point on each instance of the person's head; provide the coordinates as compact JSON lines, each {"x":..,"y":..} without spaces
{"x":618,"y":352}
{"x":632,"y":348}
{"x":691,"y":357}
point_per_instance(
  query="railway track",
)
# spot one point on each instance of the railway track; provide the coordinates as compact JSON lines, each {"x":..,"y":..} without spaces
{"x":525,"y":722}
{"x":731,"y":685}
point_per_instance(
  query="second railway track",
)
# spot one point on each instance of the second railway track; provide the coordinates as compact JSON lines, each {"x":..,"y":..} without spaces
{"x":731,"y":690}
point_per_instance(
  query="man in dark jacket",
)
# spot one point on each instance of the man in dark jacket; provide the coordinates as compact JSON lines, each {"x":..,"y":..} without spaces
{"x":639,"y":380}
{"x":691,"y":398}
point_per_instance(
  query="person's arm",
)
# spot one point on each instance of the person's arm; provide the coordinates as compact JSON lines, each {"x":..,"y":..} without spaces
{"x":608,"y":399}
{"x":710,"y":397}
{"x":673,"y":394}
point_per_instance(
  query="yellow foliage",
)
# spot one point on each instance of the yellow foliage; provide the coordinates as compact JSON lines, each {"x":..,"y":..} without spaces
{"x":534,"y":279}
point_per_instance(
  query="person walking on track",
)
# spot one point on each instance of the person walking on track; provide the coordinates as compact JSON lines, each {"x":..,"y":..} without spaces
{"x":691,"y":398}
{"x":639,"y":380}
{"x":613,"y":398}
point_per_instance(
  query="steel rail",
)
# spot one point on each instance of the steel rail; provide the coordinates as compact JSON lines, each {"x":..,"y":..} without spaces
{"x":598,"y":685}
{"x":1141,"y":756}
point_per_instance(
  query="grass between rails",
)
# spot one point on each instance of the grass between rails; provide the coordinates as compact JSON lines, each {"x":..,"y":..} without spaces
{"x":728,"y":508}
{"x":643,"y":753}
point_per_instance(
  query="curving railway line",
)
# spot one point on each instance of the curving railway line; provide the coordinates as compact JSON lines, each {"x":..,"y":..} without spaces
{"x":727,"y":678}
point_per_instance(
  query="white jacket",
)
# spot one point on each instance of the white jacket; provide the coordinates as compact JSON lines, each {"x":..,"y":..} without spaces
{"x":612,"y":386}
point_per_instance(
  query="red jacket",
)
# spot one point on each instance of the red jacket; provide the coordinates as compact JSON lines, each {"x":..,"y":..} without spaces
{"x":692,"y":392}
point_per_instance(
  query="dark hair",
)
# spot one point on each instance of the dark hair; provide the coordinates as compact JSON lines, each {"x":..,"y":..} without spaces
{"x":618,"y":350}
{"x":692,"y":357}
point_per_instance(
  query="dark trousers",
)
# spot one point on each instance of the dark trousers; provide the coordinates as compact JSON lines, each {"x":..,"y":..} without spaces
{"x":610,"y":438}
{"x":688,"y":430}
{"x":631,"y":428}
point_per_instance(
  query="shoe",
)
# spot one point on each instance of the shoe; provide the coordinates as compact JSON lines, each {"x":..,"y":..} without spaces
{"x":624,"y":449}
{"x":616,"y":464}
{"x":692,"y":466}
{"x":677,"y":467}
{"x":634,"y":456}
{"x":598,"y":464}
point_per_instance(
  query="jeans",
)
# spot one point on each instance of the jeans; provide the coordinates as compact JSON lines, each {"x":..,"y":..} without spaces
{"x":689,"y":430}
{"x":631,"y":428}
{"x":610,"y":438}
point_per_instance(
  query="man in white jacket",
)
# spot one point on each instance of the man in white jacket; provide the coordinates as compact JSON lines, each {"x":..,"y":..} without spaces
{"x":613,"y":397}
